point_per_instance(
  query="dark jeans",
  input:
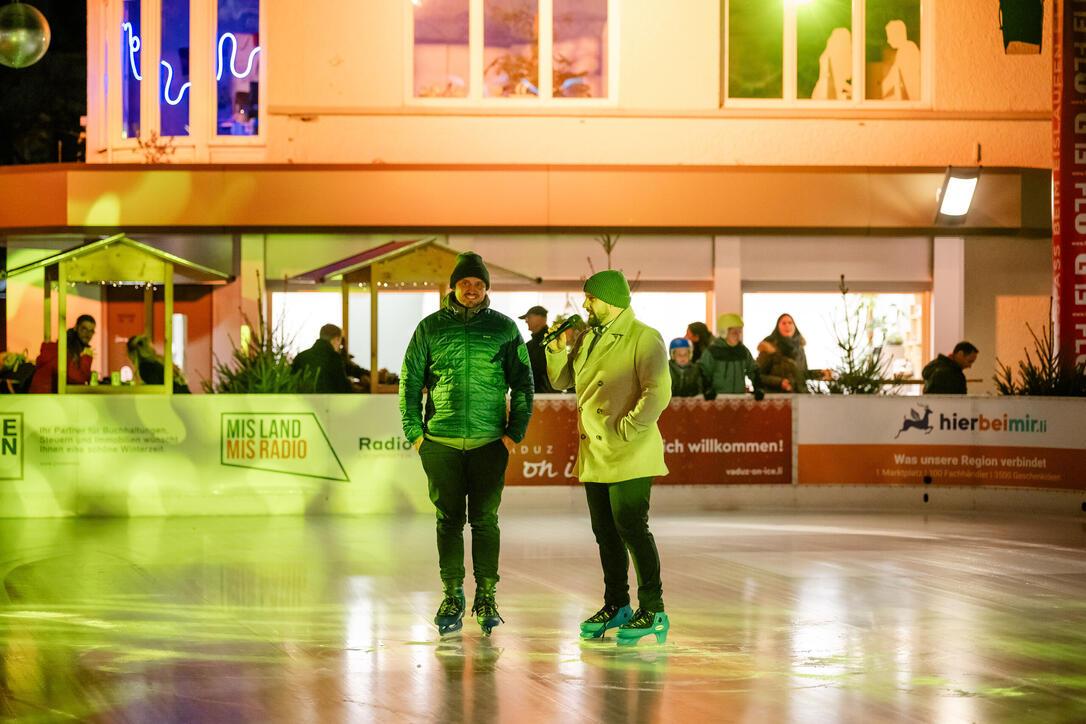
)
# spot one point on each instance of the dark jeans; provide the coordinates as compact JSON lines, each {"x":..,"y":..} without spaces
{"x":466,"y":486}
{"x":620,"y":522}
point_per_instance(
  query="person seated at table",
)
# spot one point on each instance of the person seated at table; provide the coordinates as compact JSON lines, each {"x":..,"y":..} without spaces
{"x":325,"y":360}
{"x":15,"y":373}
{"x":151,"y":367}
{"x":80,"y":357}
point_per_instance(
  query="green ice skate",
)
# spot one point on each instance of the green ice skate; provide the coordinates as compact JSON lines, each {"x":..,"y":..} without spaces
{"x":610,"y":616}
{"x":644,"y":623}
{"x":450,"y":614}
{"x":484,"y":608}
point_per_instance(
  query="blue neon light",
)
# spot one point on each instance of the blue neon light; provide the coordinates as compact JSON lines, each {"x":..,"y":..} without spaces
{"x":169,"y":81}
{"x":134,"y":45}
{"x":233,"y":57}
{"x":133,"y":48}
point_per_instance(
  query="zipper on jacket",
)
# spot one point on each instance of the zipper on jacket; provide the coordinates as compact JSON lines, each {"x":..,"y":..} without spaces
{"x":467,"y":378}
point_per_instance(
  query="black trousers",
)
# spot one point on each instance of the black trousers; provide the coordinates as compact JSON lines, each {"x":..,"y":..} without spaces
{"x":466,"y":486}
{"x":620,"y":522}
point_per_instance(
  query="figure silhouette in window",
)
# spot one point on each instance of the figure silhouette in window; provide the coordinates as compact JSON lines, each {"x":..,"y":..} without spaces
{"x":902,"y":81}
{"x":835,"y":68}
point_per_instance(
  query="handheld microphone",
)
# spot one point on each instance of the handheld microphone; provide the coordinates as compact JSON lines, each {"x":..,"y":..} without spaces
{"x":570,"y":321}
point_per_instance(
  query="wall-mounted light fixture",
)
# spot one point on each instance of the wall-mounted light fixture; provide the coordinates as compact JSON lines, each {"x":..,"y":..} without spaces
{"x":956,"y":194}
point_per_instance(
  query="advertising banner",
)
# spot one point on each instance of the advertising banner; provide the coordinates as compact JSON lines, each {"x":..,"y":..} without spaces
{"x":942,"y":440}
{"x":289,"y":454}
{"x":724,"y":441}
{"x":205,"y":454}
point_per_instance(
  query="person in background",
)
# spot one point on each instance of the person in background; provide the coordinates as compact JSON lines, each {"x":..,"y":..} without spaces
{"x":80,"y":357}
{"x":699,"y":334}
{"x":727,"y":363}
{"x":15,"y":373}
{"x":946,"y":375}
{"x":782,"y":360}
{"x":469,"y":357}
{"x":536,"y":320}
{"x":687,"y":379}
{"x":151,"y":366}
{"x":325,"y":361}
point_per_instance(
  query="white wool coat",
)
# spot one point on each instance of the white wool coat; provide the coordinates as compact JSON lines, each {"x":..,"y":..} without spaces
{"x":622,"y":388}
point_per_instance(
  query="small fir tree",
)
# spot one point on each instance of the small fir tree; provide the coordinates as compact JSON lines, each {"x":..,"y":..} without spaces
{"x":861,"y":370}
{"x":1043,"y":371}
{"x":262,"y":366}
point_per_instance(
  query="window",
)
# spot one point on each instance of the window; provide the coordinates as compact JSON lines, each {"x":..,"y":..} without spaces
{"x":173,"y":104}
{"x":894,"y":323}
{"x":237,"y":68}
{"x":130,"y":69}
{"x":578,"y":55}
{"x":233,"y":46}
{"x":441,"y":49}
{"x":826,"y":52}
{"x":529,"y":49}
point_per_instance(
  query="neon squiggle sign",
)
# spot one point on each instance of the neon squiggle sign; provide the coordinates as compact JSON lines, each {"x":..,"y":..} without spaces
{"x":234,"y":56}
{"x":133,"y":45}
{"x":133,"y":48}
{"x":169,"y":82}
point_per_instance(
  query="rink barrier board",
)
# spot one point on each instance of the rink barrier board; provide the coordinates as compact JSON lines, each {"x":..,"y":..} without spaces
{"x":345,"y":454}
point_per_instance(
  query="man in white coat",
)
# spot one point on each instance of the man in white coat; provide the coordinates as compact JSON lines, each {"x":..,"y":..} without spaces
{"x":620,"y":369}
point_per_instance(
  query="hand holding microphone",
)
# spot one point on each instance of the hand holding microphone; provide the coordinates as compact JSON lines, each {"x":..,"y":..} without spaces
{"x":555,"y":338}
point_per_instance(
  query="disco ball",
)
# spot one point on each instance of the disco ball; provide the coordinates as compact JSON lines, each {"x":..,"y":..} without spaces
{"x":24,"y":35}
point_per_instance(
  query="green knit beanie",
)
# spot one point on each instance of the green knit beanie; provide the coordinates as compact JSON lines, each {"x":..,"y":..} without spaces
{"x":610,"y":286}
{"x":469,"y":264}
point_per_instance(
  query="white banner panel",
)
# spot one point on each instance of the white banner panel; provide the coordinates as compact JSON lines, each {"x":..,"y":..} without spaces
{"x":1035,"y":442}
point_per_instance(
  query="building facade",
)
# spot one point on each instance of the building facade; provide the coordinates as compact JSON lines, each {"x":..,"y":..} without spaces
{"x":733,"y":147}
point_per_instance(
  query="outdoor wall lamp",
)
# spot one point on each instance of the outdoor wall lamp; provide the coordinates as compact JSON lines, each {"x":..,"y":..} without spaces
{"x":956,"y":194}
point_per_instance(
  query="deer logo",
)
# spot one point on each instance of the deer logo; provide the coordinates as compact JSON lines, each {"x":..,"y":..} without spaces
{"x":915,"y":419}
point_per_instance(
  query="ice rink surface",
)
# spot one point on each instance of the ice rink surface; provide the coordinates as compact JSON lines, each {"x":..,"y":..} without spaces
{"x":776,"y":617}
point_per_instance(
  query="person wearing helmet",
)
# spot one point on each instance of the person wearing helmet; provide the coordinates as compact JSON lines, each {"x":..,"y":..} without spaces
{"x":687,"y":379}
{"x":727,"y":363}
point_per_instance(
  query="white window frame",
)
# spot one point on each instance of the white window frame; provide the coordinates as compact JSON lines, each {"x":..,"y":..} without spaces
{"x":214,"y":140}
{"x":859,"y":65}
{"x":203,"y":121}
{"x":476,"y":68}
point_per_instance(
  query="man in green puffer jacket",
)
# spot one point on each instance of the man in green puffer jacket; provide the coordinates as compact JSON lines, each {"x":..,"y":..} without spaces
{"x":467,"y":356}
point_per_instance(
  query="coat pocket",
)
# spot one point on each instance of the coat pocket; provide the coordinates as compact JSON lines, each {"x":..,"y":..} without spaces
{"x":629,"y":430}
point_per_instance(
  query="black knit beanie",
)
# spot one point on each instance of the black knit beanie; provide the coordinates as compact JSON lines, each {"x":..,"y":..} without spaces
{"x":469,"y":264}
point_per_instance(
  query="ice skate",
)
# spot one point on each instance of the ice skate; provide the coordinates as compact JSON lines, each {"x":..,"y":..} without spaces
{"x":450,"y":614}
{"x":485,"y":609}
{"x":610,"y":616}
{"x":644,"y":623}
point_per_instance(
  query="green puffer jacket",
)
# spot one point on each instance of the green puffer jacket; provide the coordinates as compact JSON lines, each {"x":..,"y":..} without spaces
{"x":468,"y":359}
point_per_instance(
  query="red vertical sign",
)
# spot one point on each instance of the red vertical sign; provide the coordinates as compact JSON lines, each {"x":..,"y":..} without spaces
{"x":1069,"y":179}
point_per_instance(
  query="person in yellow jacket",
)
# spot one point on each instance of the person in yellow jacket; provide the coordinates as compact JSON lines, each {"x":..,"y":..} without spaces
{"x":620,"y":369}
